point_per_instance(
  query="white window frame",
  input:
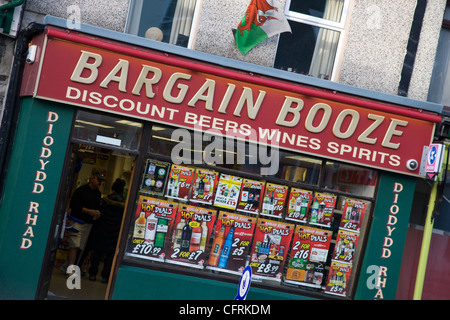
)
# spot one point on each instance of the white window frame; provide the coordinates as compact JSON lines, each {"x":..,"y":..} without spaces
{"x":135,"y":8}
{"x":338,"y":26}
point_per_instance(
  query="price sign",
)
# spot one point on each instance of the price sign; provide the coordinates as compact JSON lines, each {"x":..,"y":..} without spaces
{"x":180,"y":182}
{"x":251,"y":196}
{"x":228,"y":190}
{"x":205,"y":182}
{"x":152,"y":226}
{"x":231,"y":243}
{"x":270,"y":245}
{"x":345,"y":247}
{"x":191,"y":233}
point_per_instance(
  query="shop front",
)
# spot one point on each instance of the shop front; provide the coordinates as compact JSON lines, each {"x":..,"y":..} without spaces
{"x":226,"y":165}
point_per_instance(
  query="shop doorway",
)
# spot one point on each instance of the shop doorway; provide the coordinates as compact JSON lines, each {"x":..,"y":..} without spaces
{"x":85,"y":159}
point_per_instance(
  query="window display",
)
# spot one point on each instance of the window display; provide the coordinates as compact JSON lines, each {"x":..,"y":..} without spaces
{"x":218,"y":221}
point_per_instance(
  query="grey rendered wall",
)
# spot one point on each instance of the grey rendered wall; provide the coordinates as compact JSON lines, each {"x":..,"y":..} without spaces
{"x":375,"y":48}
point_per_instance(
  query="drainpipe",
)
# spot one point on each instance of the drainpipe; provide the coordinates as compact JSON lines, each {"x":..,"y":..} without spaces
{"x":6,"y":15}
{"x":11,"y":108}
{"x":433,"y":208}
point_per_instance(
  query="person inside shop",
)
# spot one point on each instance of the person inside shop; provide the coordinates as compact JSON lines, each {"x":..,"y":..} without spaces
{"x":84,"y":210}
{"x":105,"y":232}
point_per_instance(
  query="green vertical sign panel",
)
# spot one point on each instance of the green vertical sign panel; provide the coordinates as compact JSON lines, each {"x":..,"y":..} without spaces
{"x":31,"y":188}
{"x":383,"y":256}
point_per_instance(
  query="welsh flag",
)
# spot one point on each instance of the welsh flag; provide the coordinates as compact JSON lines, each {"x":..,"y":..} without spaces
{"x":263,"y":19}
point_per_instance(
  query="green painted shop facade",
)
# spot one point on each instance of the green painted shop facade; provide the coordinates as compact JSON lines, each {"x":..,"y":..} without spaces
{"x":40,"y":170}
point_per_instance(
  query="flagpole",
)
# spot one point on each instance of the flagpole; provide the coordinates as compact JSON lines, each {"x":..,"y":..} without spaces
{"x":425,"y":249}
{"x":428,"y":230}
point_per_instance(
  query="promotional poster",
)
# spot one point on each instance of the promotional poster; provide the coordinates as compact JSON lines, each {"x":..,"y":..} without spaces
{"x":205,"y":182}
{"x":180,"y":182}
{"x":228,"y":190}
{"x":274,"y":199}
{"x":322,"y":209}
{"x":251,"y":196}
{"x":338,"y":278}
{"x":190,"y":236}
{"x":344,"y":249}
{"x":270,"y":246}
{"x":153,"y":223}
{"x":298,"y":205}
{"x":155,"y":177}
{"x":352,"y":215}
{"x":308,"y":255}
{"x":231,"y":245}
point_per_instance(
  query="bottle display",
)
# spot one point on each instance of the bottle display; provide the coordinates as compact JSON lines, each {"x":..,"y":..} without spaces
{"x":194,"y":234}
{"x":191,"y":236}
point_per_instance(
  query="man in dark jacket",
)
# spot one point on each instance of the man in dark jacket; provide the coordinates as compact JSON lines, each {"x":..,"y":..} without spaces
{"x":106,"y":231}
{"x":84,"y":210}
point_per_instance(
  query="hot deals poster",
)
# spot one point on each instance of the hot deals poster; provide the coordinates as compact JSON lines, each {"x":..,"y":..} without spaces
{"x":322,"y":209}
{"x":273,"y":201}
{"x":270,"y":246}
{"x":309,"y":252}
{"x":338,"y":278}
{"x":153,"y":223}
{"x":251,"y":196}
{"x":344,"y":249}
{"x":353,"y":214}
{"x":233,"y":235}
{"x":203,"y":189}
{"x":228,"y":190}
{"x":180,"y":182}
{"x":191,"y":233}
{"x":298,"y":204}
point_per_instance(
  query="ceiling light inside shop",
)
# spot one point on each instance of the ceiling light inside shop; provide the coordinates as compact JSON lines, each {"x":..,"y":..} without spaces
{"x":129,"y":123}
{"x":95,"y":124}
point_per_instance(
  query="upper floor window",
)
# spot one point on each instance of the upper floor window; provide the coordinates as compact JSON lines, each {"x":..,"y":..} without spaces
{"x":168,"y":21}
{"x":440,"y":79}
{"x":316,"y":37}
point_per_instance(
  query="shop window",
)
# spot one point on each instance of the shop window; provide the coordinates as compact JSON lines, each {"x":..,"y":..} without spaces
{"x":300,"y":229}
{"x":312,"y":46}
{"x":168,"y":21}
{"x":107,"y":130}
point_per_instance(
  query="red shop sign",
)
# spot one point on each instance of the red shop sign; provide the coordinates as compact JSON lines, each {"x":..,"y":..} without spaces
{"x":149,"y":85}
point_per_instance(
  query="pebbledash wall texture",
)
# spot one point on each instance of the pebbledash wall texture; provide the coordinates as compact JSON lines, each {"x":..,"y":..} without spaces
{"x":373,"y":55}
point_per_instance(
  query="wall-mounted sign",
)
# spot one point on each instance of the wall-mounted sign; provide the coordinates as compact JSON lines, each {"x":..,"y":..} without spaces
{"x":148,"y":85}
{"x":434,"y":159}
